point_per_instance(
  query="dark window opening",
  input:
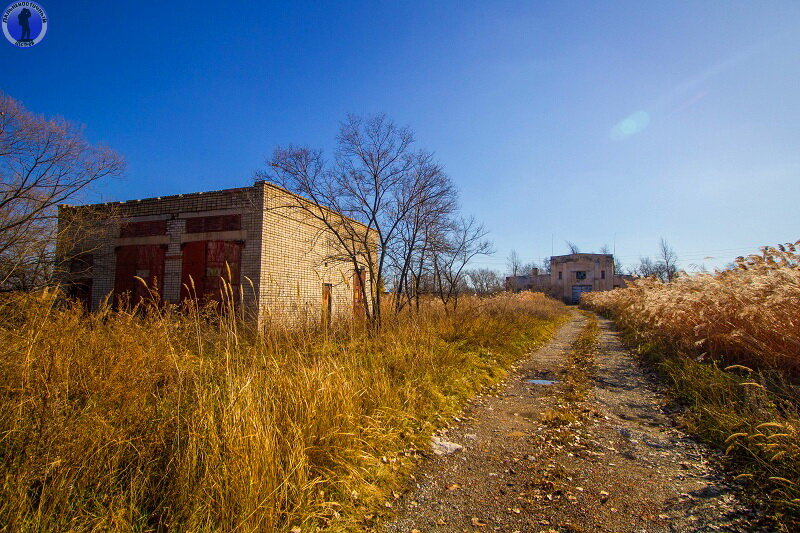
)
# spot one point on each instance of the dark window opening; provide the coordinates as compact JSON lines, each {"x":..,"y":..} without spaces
{"x":81,"y":290}
{"x":215,"y":223}
{"x":560,"y":275}
{"x":580,"y":274}
{"x":143,"y":229}
{"x":81,"y":264}
{"x":602,"y":274}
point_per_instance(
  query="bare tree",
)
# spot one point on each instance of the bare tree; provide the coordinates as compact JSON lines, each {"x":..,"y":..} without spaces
{"x":545,"y":265}
{"x":484,"y":281}
{"x":664,"y":267}
{"x":513,"y":263}
{"x":465,"y":240}
{"x":646,"y":268}
{"x":366,"y":196}
{"x":618,"y":268}
{"x":43,"y":163}
{"x":668,"y":258}
{"x":513,"y":267}
{"x":606,"y":249}
{"x":410,"y":254}
{"x":572,"y":247}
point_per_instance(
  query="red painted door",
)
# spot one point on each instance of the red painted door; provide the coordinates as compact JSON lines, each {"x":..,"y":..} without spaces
{"x":193,"y":270}
{"x":206,"y":264}
{"x":144,"y":261}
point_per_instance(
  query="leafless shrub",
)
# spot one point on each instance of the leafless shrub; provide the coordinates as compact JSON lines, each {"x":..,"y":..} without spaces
{"x":43,"y":163}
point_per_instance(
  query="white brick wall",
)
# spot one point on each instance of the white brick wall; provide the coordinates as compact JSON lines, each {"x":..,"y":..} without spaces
{"x":284,"y":263}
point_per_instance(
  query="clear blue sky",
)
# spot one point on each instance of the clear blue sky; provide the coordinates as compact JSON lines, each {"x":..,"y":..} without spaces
{"x":557,"y":120}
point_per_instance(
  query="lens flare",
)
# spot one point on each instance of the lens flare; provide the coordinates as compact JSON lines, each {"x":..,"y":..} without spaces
{"x":633,"y":124}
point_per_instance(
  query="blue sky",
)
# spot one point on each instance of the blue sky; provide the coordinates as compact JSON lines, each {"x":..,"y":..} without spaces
{"x":595,"y":122}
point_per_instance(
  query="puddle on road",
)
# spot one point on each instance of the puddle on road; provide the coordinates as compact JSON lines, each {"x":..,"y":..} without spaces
{"x":540,"y":381}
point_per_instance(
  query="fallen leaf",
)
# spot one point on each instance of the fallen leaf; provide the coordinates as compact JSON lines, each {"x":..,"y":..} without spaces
{"x":477,"y":522}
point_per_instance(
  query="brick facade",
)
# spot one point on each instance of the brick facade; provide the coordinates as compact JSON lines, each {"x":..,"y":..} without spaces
{"x":286,"y":255}
{"x":571,"y":275}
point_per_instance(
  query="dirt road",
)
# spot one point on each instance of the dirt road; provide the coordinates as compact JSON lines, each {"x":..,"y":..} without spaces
{"x":622,"y":465}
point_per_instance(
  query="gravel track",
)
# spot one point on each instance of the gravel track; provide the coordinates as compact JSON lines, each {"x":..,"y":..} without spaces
{"x":623,"y":465}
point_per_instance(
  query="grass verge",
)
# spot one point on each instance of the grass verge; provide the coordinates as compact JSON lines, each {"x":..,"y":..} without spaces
{"x":751,"y":416}
{"x":577,"y":381}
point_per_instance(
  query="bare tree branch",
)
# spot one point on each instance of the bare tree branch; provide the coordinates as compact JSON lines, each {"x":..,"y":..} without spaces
{"x":43,"y":163}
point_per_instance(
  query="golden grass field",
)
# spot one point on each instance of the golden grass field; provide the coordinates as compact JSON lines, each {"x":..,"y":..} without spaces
{"x":729,"y":342}
{"x":195,"y":421}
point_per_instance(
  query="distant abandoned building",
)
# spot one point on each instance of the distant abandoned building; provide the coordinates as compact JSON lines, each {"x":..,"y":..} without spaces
{"x":279,"y":261}
{"x":572,"y":275}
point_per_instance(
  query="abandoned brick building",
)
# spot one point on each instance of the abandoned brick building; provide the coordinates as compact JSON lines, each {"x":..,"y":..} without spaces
{"x":572,"y":275}
{"x":281,"y":261}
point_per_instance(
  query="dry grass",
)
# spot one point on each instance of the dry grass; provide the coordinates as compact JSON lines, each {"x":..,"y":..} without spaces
{"x":749,"y":315}
{"x":577,"y":382}
{"x":730,"y":344}
{"x":162,"y":420}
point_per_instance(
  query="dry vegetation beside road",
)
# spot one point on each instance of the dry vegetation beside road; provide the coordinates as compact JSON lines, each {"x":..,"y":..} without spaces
{"x":729,"y":342}
{"x":165,"y":420}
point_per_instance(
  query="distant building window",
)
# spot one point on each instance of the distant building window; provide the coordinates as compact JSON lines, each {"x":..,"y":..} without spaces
{"x":560,"y":275}
{"x":602,"y":274}
{"x":580,"y":274}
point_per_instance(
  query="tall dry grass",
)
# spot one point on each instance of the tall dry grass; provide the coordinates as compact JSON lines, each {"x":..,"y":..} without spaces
{"x":748,"y":315}
{"x":729,"y":342}
{"x":167,"y":420}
